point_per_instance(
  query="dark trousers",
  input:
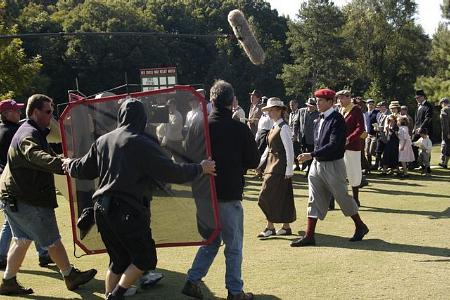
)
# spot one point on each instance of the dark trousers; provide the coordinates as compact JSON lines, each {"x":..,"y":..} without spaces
{"x":126,"y":233}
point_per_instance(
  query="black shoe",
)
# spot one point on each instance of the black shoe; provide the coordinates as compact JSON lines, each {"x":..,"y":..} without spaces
{"x":77,"y":278}
{"x":45,"y":260}
{"x":364,"y":183}
{"x":114,"y":297}
{"x":303,"y":241}
{"x":192,"y":290}
{"x":241,"y":296}
{"x":442,"y":165}
{"x":360,"y":232}
{"x":12,"y":287}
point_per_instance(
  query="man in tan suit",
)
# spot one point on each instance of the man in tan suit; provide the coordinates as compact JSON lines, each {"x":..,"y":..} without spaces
{"x":255,"y":111}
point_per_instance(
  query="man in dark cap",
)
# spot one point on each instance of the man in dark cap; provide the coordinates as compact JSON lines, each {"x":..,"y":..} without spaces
{"x":307,"y":115}
{"x":379,"y":128}
{"x":423,"y":119}
{"x":370,"y":118}
{"x":445,"y":129}
{"x":327,"y":176}
{"x":255,"y":111}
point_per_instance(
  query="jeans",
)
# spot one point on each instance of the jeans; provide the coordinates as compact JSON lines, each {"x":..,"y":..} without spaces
{"x":5,"y":240}
{"x":232,"y":222}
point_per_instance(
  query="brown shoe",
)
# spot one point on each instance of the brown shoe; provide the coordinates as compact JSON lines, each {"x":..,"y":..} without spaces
{"x":77,"y":278}
{"x":240,"y":296}
{"x":192,"y":289}
{"x":12,"y":287}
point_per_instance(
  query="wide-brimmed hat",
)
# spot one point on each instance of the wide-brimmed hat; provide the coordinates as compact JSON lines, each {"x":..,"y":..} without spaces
{"x":344,"y":93}
{"x":394,"y":104}
{"x":444,"y":100}
{"x":274,"y":102}
{"x":10,"y":104}
{"x":257,"y":93}
{"x":311,"y":102}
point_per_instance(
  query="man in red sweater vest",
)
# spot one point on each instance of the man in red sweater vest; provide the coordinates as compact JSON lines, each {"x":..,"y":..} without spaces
{"x":354,"y":123}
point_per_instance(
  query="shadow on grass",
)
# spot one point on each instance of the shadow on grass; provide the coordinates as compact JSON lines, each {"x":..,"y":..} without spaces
{"x":324,"y":240}
{"x":376,"y":190}
{"x":85,"y":291}
{"x":445,"y":214}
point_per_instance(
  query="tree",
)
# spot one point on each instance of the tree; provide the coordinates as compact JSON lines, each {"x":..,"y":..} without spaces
{"x":17,"y":72}
{"x":317,"y":48}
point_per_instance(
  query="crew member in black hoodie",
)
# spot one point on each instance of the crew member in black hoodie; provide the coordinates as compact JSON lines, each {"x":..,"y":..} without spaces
{"x":126,"y":161}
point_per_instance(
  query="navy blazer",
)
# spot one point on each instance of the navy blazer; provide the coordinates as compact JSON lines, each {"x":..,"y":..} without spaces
{"x":330,"y":144}
{"x":371,"y":118}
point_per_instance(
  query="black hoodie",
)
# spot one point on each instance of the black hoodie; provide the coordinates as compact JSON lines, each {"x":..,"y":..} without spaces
{"x":127,"y":161}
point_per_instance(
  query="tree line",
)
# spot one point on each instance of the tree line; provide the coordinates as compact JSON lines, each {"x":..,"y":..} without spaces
{"x":374,"y":47}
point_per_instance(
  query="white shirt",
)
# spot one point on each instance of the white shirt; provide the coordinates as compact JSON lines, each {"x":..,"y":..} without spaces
{"x":239,"y":113}
{"x":174,"y":127}
{"x":325,"y":115}
{"x":191,"y":116}
{"x":286,"y":135}
{"x":264,"y":123}
{"x":424,"y":144}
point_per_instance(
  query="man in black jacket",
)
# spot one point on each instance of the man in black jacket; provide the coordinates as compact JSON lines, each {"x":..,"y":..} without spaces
{"x":328,"y":175}
{"x":234,"y":150}
{"x":423,"y":119}
{"x":126,"y":161}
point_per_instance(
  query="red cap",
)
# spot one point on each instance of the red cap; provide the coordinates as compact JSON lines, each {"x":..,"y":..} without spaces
{"x":325,"y":93}
{"x":10,"y":105}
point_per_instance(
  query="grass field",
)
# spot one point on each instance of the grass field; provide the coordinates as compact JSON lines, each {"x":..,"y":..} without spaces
{"x":406,"y":254}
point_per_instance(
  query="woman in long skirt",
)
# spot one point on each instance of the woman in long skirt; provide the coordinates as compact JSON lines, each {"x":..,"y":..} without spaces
{"x":276,"y":198}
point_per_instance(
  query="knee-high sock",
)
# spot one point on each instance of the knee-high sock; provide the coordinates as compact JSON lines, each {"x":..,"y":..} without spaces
{"x":310,"y":227}
{"x":355,"y":191}
{"x":357,"y":219}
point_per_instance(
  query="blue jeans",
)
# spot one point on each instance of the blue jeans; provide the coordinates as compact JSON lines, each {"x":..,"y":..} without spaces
{"x":5,"y":240}
{"x":232,"y":222}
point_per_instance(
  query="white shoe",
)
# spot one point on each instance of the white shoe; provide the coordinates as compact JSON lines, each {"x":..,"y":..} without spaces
{"x":283,"y":231}
{"x":150,"y":278}
{"x":266,"y":233}
{"x":131,"y":291}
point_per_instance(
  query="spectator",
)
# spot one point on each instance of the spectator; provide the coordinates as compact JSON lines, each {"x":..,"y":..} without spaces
{"x":264,"y":125}
{"x":445,"y":132}
{"x":370,"y":118}
{"x":294,"y":124}
{"x":423,"y":119}
{"x":173,"y":137}
{"x":307,"y":115}
{"x":122,"y":198}
{"x":28,"y":188}
{"x":354,"y":124}
{"x":276,"y":198}
{"x":238,"y":112}
{"x":425,"y":146}
{"x":404,"y":112}
{"x":390,"y":153}
{"x":255,"y":111}
{"x":381,"y":133}
{"x":234,"y":150}
{"x":406,"y":154}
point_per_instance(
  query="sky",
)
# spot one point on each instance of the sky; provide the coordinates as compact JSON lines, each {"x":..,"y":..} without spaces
{"x":428,"y":11}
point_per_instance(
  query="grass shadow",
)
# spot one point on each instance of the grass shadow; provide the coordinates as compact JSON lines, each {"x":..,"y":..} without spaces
{"x":324,"y":240}
{"x":445,"y":214}
{"x":403,"y":192}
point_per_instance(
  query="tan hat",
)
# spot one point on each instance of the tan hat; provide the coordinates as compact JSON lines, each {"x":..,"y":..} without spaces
{"x":394,"y":104}
{"x":274,"y":102}
{"x":344,"y":92}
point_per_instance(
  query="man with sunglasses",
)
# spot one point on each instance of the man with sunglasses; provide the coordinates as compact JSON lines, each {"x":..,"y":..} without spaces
{"x":27,"y":189}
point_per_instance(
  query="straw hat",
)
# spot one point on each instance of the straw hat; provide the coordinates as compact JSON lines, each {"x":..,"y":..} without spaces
{"x":274,"y":102}
{"x":394,"y":104}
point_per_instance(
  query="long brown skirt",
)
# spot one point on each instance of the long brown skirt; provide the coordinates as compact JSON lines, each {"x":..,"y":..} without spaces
{"x":276,"y":199}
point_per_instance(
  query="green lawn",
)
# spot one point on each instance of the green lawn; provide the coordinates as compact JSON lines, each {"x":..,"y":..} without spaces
{"x":406,"y":255}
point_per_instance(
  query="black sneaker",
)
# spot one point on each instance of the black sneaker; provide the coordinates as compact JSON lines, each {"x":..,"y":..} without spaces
{"x":77,"y":278}
{"x":45,"y":260}
{"x":114,"y":297}
{"x":241,"y":296}
{"x":192,"y":290}
{"x":12,"y":287}
{"x":360,"y":232}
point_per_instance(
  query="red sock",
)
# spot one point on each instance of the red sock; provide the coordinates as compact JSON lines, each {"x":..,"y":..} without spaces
{"x":310,"y":227}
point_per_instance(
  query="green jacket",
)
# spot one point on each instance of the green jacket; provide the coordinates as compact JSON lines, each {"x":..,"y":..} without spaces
{"x":28,"y":175}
